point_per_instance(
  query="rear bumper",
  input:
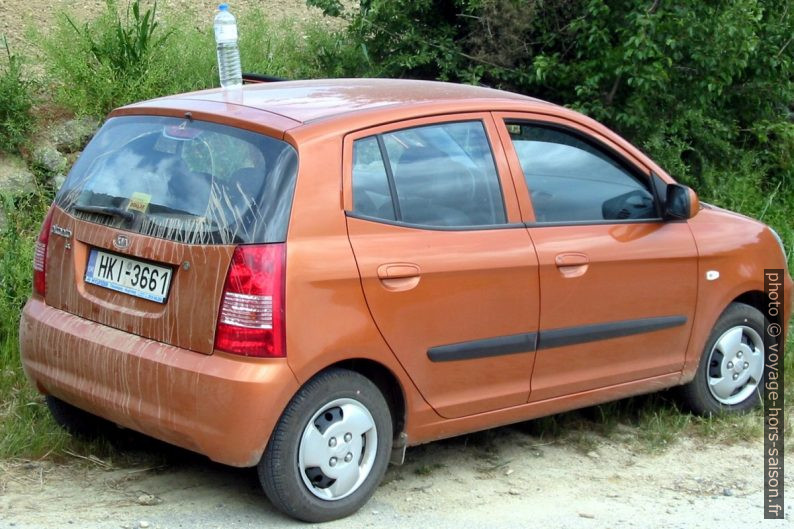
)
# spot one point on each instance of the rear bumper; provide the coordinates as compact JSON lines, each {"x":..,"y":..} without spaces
{"x":222,"y":406}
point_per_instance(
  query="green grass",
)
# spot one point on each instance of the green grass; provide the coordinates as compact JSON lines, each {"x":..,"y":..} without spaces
{"x":26,"y":430}
{"x":16,"y":100}
{"x":98,"y":66}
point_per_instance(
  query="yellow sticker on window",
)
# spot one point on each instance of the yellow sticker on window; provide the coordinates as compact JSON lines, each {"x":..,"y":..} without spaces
{"x":514,"y":129}
{"x":139,"y":202}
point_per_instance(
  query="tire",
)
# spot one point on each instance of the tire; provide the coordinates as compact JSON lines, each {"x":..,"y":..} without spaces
{"x":731,"y":366}
{"x":330,"y":448}
{"x":74,"y":420}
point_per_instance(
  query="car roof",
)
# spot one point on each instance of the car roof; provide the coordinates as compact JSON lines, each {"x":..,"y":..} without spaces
{"x":314,"y":100}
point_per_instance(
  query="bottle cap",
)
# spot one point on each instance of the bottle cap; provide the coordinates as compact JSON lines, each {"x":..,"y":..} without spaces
{"x":223,"y":7}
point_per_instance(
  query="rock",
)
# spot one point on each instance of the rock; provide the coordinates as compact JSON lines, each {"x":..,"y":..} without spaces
{"x":15,"y":176}
{"x":727,"y":492}
{"x":586,"y":515}
{"x":592,"y":454}
{"x":72,"y":135}
{"x":48,"y":158}
{"x":514,"y":492}
{"x":143,"y":524}
{"x":148,"y":499}
{"x":57,"y":181}
{"x":508,"y":471}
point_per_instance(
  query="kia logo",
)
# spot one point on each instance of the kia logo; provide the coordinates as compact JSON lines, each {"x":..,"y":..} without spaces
{"x":122,"y":242}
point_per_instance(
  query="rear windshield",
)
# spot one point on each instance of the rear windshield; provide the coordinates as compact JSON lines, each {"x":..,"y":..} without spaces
{"x":184,"y":180}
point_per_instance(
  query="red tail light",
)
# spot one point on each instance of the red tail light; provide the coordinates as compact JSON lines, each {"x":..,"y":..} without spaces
{"x":40,"y":256}
{"x":251,"y":318}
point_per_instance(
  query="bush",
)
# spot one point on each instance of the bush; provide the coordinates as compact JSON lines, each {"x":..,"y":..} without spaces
{"x":16,"y":104}
{"x":706,"y":88}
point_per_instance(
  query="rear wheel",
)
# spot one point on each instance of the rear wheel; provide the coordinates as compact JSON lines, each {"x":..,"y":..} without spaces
{"x":330,"y":448}
{"x":74,"y":420}
{"x":732,"y":364}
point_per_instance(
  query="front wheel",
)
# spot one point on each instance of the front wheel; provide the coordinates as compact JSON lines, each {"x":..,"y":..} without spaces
{"x":330,"y":448}
{"x":731,"y":367}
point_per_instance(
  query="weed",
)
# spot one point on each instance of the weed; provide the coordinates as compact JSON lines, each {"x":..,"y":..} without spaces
{"x":426,"y":470}
{"x":16,"y":103}
{"x":114,"y":60}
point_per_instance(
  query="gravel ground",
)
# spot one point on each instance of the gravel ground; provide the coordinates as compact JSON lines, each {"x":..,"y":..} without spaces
{"x":502,"y":479}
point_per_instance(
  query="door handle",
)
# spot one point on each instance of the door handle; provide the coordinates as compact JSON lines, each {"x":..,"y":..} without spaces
{"x":399,"y":276}
{"x":397,"y":270}
{"x":572,"y":264}
{"x":571,"y":259}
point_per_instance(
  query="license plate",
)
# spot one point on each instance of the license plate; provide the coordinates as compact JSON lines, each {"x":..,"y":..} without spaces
{"x":131,"y":276}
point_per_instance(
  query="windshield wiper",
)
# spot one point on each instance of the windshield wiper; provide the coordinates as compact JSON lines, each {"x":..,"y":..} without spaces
{"x":110,"y":211}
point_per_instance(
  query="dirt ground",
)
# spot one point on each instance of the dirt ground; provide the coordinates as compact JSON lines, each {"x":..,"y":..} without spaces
{"x":501,"y":479}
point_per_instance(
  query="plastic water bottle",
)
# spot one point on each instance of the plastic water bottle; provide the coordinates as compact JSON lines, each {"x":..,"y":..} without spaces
{"x":225,"y":27}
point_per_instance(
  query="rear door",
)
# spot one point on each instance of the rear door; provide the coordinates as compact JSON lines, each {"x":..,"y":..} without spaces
{"x":618,"y":284}
{"x":449,"y":274}
{"x":146,"y":223}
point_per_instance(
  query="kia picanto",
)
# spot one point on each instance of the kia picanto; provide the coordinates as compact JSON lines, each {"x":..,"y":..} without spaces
{"x":309,"y":276}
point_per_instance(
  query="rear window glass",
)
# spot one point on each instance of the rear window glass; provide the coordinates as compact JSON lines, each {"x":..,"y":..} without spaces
{"x":184,"y":180}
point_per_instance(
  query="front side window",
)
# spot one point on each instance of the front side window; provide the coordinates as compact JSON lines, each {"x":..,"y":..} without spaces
{"x":434,"y":175}
{"x":571,"y":180}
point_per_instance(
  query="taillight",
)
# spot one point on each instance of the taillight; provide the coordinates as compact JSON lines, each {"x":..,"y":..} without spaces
{"x":40,"y":256}
{"x":251,"y":318}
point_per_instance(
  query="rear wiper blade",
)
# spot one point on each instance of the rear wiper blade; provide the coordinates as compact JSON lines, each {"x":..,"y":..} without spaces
{"x":107,"y":210}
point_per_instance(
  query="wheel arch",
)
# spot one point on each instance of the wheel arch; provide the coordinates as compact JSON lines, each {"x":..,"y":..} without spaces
{"x":386,"y":381}
{"x":757,"y":300}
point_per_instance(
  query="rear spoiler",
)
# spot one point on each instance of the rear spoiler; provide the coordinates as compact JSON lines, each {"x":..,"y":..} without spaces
{"x":255,"y":78}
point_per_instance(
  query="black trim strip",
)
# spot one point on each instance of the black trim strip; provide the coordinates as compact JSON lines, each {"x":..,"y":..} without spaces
{"x":605,"y":331}
{"x":502,"y":345}
{"x":395,"y":200}
{"x":479,"y":227}
{"x":617,"y":222}
{"x":530,"y":342}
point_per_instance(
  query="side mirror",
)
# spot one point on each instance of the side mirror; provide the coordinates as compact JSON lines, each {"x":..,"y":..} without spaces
{"x":681,"y":202}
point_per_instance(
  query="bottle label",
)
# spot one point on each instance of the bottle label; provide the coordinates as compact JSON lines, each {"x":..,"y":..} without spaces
{"x":225,"y":33}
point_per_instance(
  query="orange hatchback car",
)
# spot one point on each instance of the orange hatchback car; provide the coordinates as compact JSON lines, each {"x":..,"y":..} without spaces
{"x":309,"y":276}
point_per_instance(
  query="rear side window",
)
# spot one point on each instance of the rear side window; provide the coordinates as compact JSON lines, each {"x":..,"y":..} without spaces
{"x":184,"y":180}
{"x":572,"y":180}
{"x":435,"y":175}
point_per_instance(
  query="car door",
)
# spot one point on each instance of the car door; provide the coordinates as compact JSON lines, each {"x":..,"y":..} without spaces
{"x":447,"y":268}
{"x":618,"y":283}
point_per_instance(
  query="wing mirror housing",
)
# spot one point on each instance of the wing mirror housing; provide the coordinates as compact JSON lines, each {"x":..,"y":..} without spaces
{"x":681,"y":202}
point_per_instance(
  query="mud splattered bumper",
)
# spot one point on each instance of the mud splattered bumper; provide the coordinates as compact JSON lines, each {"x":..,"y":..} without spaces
{"x":222,"y":406}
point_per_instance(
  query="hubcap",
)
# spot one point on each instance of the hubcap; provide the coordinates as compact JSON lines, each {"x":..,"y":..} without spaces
{"x":337,"y":449}
{"x":736,"y":364}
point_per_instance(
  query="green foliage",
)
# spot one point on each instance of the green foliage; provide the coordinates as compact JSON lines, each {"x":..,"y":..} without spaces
{"x":16,"y":103}
{"x":24,"y":425}
{"x":127,"y":47}
{"x":109,"y":61}
{"x":706,"y":88}
{"x":112,"y":60}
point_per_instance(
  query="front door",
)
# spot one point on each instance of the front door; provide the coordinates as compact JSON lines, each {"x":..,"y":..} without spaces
{"x":618,"y":283}
{"x":451,"y":283}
